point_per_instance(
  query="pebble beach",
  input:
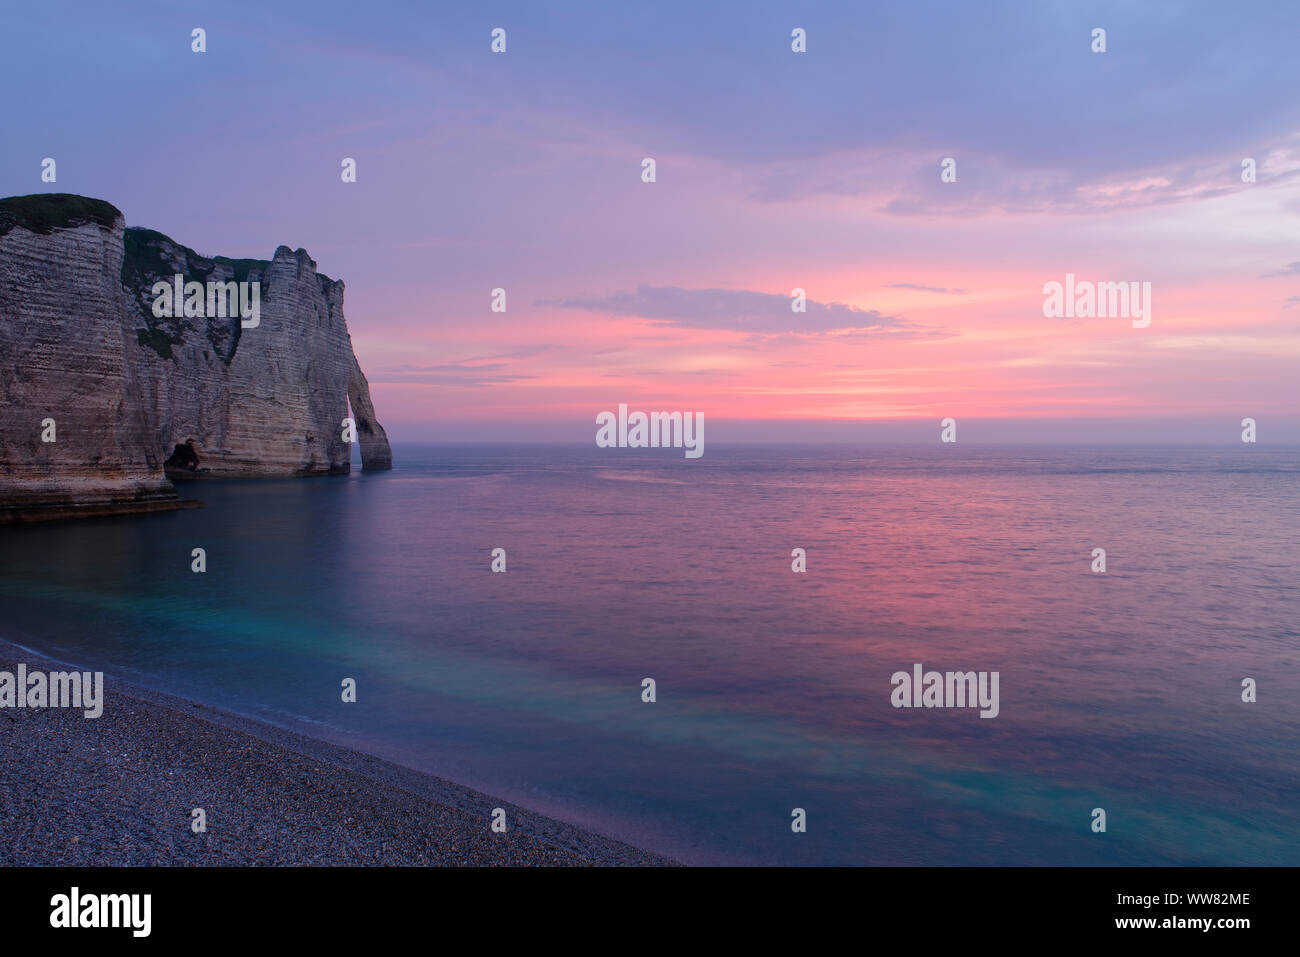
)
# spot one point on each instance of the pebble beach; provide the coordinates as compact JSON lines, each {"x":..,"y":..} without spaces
{"x":120,"y":789}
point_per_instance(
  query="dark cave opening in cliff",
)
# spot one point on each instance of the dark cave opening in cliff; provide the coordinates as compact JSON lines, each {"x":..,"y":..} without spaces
{"x":183,"y":458}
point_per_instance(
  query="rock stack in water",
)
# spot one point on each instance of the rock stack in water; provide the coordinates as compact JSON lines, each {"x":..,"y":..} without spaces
{"x":102,"y":398}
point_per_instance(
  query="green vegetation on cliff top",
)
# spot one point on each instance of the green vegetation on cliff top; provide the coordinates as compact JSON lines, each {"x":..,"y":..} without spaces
{"x":45,"y":212}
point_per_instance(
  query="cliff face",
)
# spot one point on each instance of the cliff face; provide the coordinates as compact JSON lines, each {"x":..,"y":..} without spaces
{"x":80,"y":344}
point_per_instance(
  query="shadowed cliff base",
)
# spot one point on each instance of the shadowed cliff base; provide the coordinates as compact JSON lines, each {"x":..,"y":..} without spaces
{"x":21,"y":515}
{"x":245,"y":364}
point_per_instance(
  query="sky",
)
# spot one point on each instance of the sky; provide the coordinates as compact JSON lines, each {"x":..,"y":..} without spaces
{"x":775,"y":171}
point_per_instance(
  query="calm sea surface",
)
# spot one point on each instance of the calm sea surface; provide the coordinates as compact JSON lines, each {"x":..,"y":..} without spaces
{"x":1120,"y":691}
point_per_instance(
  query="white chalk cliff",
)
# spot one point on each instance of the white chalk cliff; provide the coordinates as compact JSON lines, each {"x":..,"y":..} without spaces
{"x":80,"y":344}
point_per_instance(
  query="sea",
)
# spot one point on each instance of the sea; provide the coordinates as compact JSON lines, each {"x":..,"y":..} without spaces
{"x":772,"y":737}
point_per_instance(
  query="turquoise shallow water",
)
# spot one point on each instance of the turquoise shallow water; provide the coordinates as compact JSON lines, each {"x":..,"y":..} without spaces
{"x":1119,"y":691}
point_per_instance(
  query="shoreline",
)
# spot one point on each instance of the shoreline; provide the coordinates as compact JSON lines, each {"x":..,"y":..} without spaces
{"x":119,"y":790}
{"x":31,"y":515}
